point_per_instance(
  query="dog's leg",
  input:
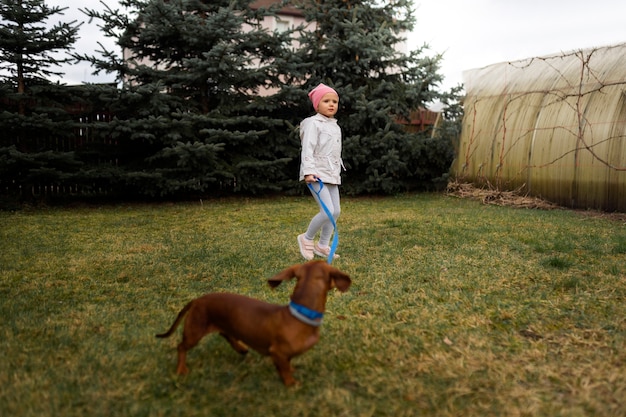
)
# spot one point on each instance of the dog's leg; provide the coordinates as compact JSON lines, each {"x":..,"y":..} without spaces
{"x":285,"y":370}
{"x":188,"y":342}
{"x":236,"y":344}
{"x":192,"y":334}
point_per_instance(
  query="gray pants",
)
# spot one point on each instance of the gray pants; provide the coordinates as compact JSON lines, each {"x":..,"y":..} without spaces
{"x":330,"y":196}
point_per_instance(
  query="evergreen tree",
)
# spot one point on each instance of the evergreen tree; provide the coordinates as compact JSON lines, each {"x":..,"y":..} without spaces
{"x":193,"y":75}
{"x":354,"y":47}
{"x":26,"y":46}
{"x":36,"y":127}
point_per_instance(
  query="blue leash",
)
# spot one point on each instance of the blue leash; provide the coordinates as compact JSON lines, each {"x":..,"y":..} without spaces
{"x":333,"y":247}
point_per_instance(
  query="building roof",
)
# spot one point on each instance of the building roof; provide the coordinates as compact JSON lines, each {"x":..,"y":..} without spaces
{"x":290,"y":9}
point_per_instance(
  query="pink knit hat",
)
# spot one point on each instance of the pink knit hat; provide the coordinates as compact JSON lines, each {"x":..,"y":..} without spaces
{"x":318,"y":92}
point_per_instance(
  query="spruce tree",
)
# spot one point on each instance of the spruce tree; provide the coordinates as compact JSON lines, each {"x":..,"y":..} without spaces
{"x":354,"y":47}
{"x":36,"y":147}
{"x":26,"y":46}
{"x":193,"y":74}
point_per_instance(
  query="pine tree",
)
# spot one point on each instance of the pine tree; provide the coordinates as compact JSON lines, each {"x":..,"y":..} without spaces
{"x":354,"y":48}
{"x":26,"y":46}
{"x":193,"y":72}
{"x":36,"y":127}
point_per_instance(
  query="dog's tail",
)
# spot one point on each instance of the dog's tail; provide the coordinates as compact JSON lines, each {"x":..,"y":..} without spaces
{"x":177,"y":321}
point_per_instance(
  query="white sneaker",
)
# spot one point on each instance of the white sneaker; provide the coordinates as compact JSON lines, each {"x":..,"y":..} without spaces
{"x":306,"y":247}
{"x":323,"y":252}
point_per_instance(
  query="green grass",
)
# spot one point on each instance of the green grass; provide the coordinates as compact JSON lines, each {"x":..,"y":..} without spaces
{"x":456,"y":309}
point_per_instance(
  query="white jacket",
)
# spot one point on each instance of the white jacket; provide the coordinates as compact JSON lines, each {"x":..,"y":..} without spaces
{"x":321,"y":149}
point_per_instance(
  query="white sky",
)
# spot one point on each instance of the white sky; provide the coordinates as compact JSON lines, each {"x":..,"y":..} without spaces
{"x":477,"y":33}
{"x":469,"y":33}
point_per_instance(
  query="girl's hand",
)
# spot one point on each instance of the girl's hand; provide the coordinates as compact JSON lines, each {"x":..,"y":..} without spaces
{"x":310,"y":178}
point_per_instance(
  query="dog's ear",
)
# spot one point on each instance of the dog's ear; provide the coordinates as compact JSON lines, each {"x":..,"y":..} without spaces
{"x":340,"y":280}
{"x":283,"y":276}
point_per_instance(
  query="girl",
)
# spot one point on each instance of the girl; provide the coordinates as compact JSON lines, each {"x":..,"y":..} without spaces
{"x":321,"y":159}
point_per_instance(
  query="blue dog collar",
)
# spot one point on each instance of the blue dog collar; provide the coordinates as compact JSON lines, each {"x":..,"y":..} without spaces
{"x":305,"y":314}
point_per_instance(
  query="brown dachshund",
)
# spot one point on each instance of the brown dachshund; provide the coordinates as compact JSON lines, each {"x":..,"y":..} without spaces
{"x":282,"y":332}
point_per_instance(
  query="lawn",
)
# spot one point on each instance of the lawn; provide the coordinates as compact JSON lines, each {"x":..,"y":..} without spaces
{"x":456,"y":309}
